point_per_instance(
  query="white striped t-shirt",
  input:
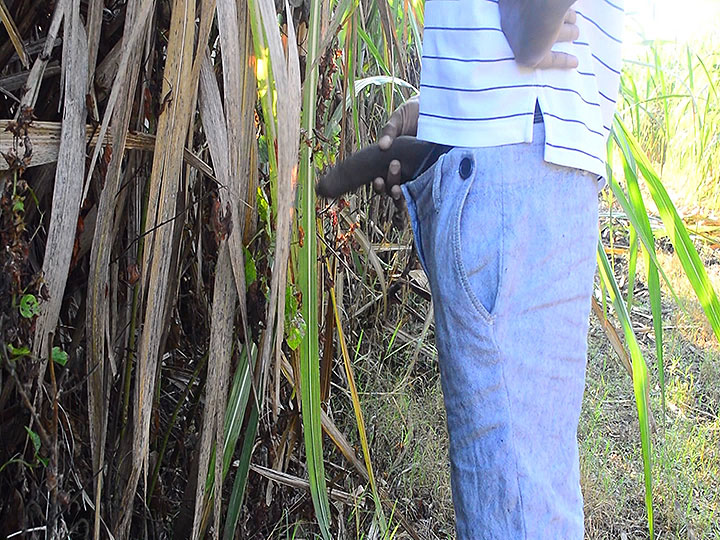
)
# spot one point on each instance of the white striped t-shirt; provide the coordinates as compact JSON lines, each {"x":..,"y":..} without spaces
{"x":474,"y":94}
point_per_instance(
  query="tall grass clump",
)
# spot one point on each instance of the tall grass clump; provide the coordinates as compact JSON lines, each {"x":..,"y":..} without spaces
{"x":671,"y":103}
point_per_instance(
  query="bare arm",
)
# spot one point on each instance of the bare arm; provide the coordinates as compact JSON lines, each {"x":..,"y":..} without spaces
{"x":533,"y":26}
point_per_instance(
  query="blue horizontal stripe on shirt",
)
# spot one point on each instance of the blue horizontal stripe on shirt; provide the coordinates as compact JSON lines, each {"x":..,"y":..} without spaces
{"x":588,"y":19}
{"x":596,"y":57}
{"x":586,"y":73}
{"x":576,"y":150}
{"x":611,"y":100}
{"x":464,"y":28}
{"x":458,"y":119}
{"x":614,"y":5}
{"x":509,"y":87}
{"x":481,"y":60}
{"x":573,"y":121}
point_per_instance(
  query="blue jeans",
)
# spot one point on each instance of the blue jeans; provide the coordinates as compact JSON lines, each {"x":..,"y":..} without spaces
{"x":509,"y":242}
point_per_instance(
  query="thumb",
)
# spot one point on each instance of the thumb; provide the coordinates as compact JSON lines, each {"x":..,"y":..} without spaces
{"x":390,"y":130}
{"x":403,"y":121}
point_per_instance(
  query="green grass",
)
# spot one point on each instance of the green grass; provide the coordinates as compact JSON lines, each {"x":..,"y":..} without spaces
{"x":686,"y":450}
{"x":671,"y":102}
{"x":406,"y":427}
{"x":408,"y":435}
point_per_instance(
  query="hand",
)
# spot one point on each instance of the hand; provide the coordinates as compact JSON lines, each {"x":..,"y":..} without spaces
{"x":568,"y":32}
{"x":403,"y":121}
{"x":532,"y":27}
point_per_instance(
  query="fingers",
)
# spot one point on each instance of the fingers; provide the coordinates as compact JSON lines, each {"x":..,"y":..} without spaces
{"x":391,"y":130}
{"x":403,"y":121}
{"x":558,"y":60}
{"x":568,"y":32}
{"x":391,"y":184}
{"x":397,"y":196}
{"x":395,"y":192}
{"x":570,"y":16}
{"x":393,"y":177}
{"x":379,"y":185}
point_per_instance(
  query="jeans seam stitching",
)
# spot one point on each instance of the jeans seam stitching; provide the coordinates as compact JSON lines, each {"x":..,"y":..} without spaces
{"x":482,"y":310}
{"x":497,"y":348}
{"x":512,"y":432}
{"x":501,"y":249}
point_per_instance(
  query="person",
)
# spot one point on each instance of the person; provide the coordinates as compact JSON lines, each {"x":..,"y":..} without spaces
{"x":520,"y":96}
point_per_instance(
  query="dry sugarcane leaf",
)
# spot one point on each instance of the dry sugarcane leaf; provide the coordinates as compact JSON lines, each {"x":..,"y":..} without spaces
{"x":391,"y":36}
{"x":340,"y":16}
{"x":68,"y":187}
{"x":94,"y":28}
{"x":98,"y":302}
{"x":229,"y":138}
{"x":45,"y":142}
{"x":107,"y":69}
{"x":44,"y":138}
{"x":239,"y":143}
{"x":139,"y":25}
{"x":15,"y":81}
{"x":221,"y":342}
{"x":240,"y":96}
{"x":429,"y":319}
{"x":295,"y":482}
{"x":288,"y":135}
{"x":221,"y":345}
{"x":26,"y":16}
{"x":14,"y":34}
{"x":286,"y":74}
{"x":38,"y":69}
{"x":213,"y":121}
{"x":225,"y":294}
{"x":282,"y":450}
{"x":94,"y":22}
{"x":172,"y":130}
{"x":613,"y":336}
{"x":371,"y":255}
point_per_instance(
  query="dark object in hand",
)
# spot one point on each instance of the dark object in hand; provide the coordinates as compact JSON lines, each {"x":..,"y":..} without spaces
{"x":371,"y":162}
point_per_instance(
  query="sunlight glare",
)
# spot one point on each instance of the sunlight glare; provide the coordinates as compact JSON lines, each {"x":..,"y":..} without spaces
{"x":672,"y":20}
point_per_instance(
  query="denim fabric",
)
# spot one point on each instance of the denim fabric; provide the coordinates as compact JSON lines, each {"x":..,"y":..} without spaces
{"x":510,"y":254}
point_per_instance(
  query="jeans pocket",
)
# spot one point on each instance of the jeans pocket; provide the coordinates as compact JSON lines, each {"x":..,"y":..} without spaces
{"x":478,"y":242}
